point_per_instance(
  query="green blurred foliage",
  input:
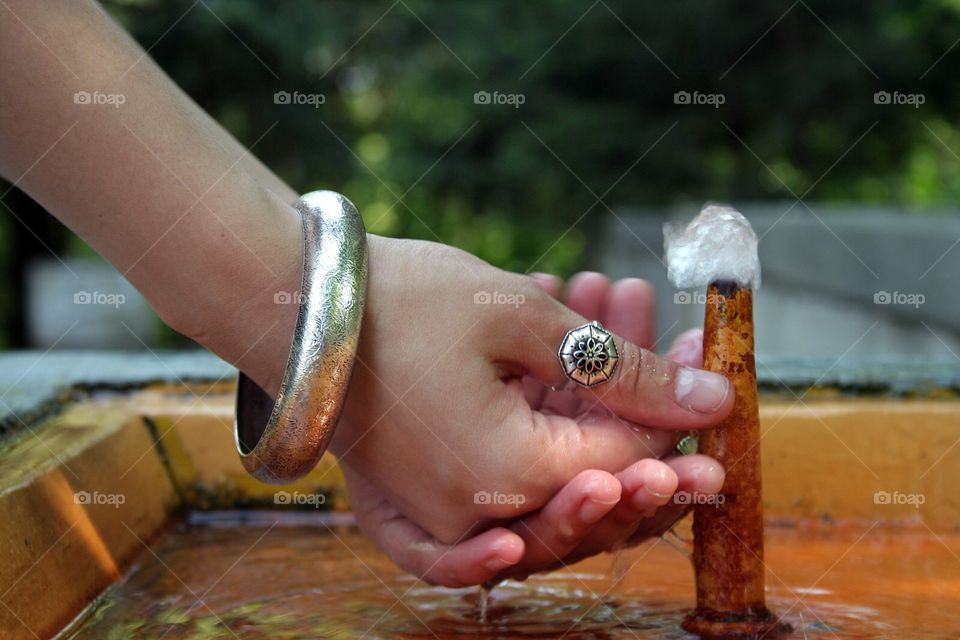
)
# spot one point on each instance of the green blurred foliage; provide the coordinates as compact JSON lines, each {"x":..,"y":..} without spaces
{"x":400,"y":134}
{"x":598,"y":80}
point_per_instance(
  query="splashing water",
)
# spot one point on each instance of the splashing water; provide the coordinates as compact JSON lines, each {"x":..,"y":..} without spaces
{"x":484,"y":602}
{"x":718,"y":245}
{"x":682,"y":545}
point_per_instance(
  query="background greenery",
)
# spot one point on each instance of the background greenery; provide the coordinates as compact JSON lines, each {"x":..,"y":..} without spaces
{"x":519,"y":186}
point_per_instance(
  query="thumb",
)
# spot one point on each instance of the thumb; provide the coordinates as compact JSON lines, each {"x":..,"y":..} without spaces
{"x":643,"y":388}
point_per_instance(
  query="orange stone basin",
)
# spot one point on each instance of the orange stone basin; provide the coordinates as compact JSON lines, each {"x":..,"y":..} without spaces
{"x":128,"y":515}
{"x":268,"y":575}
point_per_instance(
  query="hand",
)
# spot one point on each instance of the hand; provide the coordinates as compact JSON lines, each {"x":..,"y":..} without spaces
{"x":439,"y":408}
{"x":443,"y":406}
{"x":647,"y":506}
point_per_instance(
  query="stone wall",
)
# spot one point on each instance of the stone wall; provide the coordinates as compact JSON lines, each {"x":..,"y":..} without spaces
{"x":837,"y":281}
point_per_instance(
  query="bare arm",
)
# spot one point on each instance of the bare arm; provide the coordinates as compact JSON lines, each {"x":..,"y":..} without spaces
{"x":149,"y":180}
{"x":208,"y":235}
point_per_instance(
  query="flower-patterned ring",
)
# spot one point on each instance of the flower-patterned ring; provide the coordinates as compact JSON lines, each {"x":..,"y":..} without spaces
{"x":588,"y":354}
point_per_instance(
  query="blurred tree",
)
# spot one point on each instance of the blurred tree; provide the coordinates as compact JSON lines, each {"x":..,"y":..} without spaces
{"x":525,"y":186}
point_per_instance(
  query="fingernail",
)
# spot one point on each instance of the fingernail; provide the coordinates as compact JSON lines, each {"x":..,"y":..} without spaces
{"x":592,"y":510}
{"x":496,"y":563}
{"x":656,"y":494}
{"x":700,"y":391}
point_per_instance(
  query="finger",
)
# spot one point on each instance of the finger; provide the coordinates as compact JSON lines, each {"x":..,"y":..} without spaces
{"x":556,"y":529}
{"x":586,"y":292}
{"x":594,"y":441}
{"x":698,"y":473}
{"x":550,"y":283}
{"x":644,"y":388}
{"x":687,"y":349}
{"x":698,"y":476}
{"x":695,"y":475}
{"x":628,"y":311}
{"x":469,"y":562}
{"x":646,"y":486}
{"x":652,"y":390}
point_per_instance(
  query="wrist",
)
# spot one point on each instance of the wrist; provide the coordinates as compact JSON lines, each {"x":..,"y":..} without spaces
{"x":256,"y":336}
{"x":245,"y":310}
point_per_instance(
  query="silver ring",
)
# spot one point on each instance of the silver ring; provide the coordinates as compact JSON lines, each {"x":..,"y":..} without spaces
{"x":588,"y":354}
{"x":281,"y":441}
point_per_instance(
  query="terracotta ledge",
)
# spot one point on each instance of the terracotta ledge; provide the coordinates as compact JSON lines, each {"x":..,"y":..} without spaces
{"x":85,"y":490}
{"x":81,"y":496}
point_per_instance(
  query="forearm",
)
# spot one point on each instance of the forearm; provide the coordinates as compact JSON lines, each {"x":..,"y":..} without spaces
{"x":154,"y":185}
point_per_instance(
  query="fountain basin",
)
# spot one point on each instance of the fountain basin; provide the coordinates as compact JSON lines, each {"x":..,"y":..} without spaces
{"x":128,"y":515}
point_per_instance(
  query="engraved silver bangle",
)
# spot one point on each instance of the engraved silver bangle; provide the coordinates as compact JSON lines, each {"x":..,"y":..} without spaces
{"x":281,"y":441}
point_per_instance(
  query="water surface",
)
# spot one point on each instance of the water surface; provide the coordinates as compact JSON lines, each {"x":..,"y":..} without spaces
{"x":264,"y":575}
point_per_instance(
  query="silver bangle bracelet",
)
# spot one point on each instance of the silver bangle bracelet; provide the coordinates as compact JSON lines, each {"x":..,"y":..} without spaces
{"x":281,"y":441}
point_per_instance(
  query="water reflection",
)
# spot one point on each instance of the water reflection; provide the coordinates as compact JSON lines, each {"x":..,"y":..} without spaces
{"x":252,"y":576}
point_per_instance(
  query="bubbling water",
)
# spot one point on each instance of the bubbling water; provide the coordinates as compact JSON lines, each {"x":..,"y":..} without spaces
{"x":717,"y":245}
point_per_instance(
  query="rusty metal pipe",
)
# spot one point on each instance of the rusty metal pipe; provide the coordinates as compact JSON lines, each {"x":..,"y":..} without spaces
{"x":728,"y":532}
